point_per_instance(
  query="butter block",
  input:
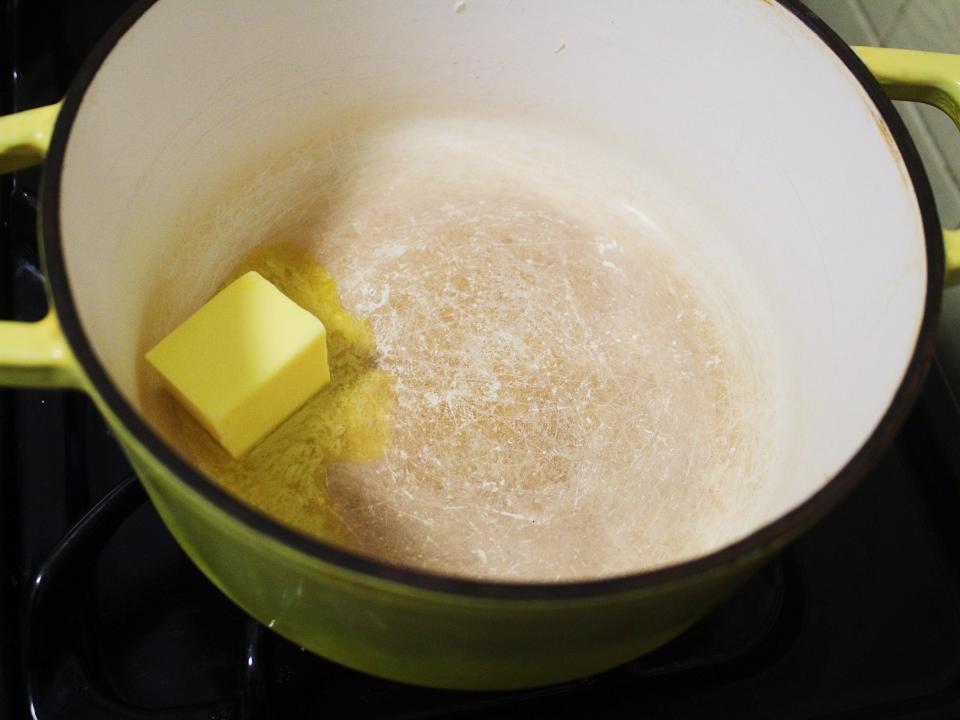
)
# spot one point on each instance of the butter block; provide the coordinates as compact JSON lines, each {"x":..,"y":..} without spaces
{"x":244,"y":362}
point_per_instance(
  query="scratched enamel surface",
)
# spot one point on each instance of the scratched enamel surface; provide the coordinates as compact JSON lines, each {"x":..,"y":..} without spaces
{"x":575,"y":395}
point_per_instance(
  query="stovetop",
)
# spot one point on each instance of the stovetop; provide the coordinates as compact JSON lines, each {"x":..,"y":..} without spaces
{"x":103,"y":616}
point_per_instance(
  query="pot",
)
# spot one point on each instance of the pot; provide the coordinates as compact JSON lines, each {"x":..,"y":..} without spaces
{"x":773,"y":124}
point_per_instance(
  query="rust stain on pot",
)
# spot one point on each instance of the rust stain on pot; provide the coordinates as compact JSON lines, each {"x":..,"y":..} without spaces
{"x":885,"y":133}
{"x":892,"y":147}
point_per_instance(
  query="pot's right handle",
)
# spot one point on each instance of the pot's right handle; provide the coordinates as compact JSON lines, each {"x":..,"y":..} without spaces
{"x":931,"y":78}
{"x":32,"y":354}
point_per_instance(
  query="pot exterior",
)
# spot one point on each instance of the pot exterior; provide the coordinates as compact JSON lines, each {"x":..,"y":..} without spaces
{"x":419,"y":636}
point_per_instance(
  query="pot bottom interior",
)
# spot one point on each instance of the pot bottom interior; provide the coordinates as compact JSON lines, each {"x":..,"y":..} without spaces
{"x":536,"y":373}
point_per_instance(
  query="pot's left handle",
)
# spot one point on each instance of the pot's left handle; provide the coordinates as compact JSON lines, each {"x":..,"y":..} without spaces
{"x":32,"y":354}
{"x":930,"y":78}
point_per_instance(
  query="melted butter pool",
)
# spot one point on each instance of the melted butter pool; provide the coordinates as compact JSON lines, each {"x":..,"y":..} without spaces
{"x":349,"y":420}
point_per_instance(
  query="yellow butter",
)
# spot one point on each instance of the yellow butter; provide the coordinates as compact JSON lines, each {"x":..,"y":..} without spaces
{"x":244,"y":362}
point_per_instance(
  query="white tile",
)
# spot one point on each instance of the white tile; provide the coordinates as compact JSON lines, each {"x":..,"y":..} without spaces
{"x":846,"y":19}
{"x":923,"y":25}
{"x":882,"y":14}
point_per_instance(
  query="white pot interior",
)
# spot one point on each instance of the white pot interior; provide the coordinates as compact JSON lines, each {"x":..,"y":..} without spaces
{"x":734,"y":137}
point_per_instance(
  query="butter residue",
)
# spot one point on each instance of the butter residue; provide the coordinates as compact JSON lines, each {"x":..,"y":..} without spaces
{"x":349,"y":420}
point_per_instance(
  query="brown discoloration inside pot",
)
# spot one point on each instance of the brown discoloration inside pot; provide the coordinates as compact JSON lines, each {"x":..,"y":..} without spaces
{"x":573,"y":399}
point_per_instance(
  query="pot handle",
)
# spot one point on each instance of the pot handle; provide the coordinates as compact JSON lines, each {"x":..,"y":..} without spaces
{"x":33,"y":354}
{"x":930,"y":78}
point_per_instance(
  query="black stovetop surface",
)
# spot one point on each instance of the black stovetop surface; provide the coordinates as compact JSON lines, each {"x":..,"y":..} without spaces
{"x":103,"y":616}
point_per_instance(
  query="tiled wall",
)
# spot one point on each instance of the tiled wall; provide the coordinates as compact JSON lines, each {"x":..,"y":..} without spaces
{"x":921,"y":25}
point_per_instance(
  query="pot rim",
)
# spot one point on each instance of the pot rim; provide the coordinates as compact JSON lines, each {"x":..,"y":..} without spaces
{"x":767,"y":537}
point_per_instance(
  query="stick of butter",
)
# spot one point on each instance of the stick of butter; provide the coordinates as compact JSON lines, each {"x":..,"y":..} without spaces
{"x":244,"y":362}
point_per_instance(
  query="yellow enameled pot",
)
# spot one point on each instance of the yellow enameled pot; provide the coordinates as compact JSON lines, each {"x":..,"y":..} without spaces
{"x":760,"y":112}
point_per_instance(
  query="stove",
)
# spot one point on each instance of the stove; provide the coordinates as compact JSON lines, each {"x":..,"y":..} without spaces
{"x":103,"y":616}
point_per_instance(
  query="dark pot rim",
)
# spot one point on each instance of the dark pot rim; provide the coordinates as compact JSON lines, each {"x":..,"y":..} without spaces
{"x":765,"y":538}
